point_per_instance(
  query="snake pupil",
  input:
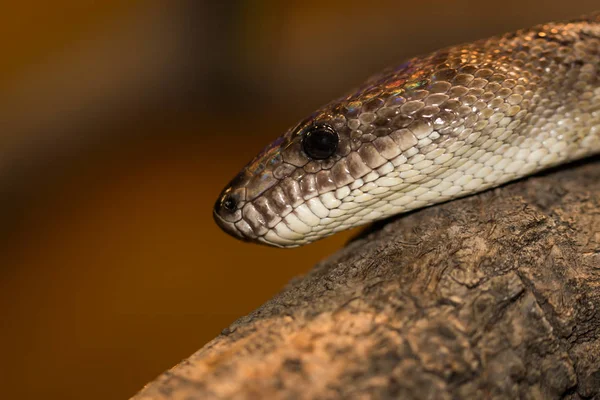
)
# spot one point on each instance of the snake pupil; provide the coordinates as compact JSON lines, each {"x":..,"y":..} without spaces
{"x":320,"y":142}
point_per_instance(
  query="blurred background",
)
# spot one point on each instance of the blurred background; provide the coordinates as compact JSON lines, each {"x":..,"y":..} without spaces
{"x":120,"y":122}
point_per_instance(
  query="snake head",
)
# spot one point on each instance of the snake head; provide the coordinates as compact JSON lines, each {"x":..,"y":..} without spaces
{"x":293,"y":192}
{"x":319,"y":177}
{"x":332,"y":170}
{"x":281,"y":177}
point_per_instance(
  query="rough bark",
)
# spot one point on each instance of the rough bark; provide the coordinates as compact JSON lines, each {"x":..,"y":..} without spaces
{"x":491,"y":296}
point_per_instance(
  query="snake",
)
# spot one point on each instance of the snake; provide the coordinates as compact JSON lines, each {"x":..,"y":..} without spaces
{"x":440,"y":126}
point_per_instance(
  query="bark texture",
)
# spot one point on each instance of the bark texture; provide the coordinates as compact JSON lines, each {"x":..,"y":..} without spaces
{"x":492,"y":296}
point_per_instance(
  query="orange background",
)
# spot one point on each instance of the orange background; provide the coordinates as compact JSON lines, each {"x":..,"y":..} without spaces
{"x":119,"y":124}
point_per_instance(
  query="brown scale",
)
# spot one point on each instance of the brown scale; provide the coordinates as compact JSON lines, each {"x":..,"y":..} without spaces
{"x":324,"y":181}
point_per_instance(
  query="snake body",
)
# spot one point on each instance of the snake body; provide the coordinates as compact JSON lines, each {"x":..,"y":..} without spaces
{"x":441,"y":126}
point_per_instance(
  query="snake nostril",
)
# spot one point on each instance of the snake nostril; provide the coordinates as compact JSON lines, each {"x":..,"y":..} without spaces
{"x":229,"y":203}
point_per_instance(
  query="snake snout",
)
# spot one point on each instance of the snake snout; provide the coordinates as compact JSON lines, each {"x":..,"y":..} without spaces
{"x":227,"y":226}
{"x":228,"y":210}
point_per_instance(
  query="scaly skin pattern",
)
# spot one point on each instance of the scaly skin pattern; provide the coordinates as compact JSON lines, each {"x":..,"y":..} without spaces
{"x":441,"y":126}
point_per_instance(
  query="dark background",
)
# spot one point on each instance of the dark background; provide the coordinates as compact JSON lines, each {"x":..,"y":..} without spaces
{"x":120,"y":121}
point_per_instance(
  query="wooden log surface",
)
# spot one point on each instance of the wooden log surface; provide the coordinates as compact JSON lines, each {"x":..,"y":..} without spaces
{"x":492,"y":296}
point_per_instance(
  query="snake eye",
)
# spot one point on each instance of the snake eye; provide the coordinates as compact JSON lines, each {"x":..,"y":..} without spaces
{"x":320,"y":142}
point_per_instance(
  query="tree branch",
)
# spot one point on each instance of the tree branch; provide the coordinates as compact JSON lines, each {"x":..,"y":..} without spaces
{"x":495,"y":295}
